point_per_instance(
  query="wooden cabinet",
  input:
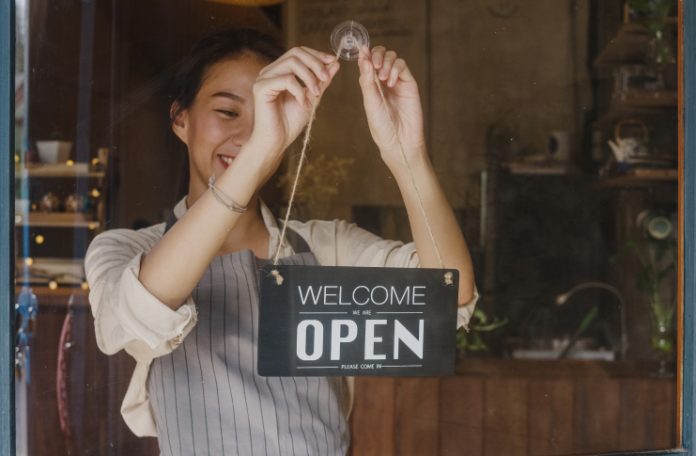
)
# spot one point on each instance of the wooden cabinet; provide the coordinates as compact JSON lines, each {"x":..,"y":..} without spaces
{"x":496,"y":407}
{"x":95,"y":385}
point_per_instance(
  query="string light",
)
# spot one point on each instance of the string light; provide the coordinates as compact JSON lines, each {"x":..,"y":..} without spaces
{"x":95,"y":193}
{"x":28,"y":261}
{"x":39,"y":239}
{"x":52,"y":285}
{"x":70,"y":163}
{"x":84,"y":285}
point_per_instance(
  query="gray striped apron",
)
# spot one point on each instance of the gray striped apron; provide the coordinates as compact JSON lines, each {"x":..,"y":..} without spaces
{"x":206,"y":396}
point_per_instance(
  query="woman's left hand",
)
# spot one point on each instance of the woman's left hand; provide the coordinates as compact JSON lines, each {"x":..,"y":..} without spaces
{"x":398,"y":122}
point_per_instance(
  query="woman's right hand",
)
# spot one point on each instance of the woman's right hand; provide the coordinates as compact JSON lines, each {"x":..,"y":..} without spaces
{"x":284,"y":94}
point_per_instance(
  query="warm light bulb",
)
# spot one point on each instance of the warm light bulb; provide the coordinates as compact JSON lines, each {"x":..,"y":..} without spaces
{"x":95,"y":193}
{"x":28,"y":261}
{"x":92,"y":225}
{"x":95,"y":161}
{"x":39,"y":239}
{"x":70,"y":163}
{"x":52,"y":284}
{"x":84,"y":285}
{"x":16,"y":158}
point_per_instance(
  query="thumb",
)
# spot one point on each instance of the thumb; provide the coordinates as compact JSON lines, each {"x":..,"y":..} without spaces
{"x":368,"y":83}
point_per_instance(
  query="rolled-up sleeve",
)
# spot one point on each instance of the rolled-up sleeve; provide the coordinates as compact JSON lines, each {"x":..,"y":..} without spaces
{"x":126,"y":315}
{"x":464,"y":312}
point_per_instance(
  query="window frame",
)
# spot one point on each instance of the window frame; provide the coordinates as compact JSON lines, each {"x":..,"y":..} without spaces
{"x":7,"y":52}
{"x":686,"y":397}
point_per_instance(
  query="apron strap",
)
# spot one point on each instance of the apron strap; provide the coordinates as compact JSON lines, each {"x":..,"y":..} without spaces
{"x":297,"y":242}
{"x":171,"y":220}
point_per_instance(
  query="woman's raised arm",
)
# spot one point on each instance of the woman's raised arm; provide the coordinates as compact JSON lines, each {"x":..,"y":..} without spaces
{"x":396,"y":124}
{"x":283,"y":95}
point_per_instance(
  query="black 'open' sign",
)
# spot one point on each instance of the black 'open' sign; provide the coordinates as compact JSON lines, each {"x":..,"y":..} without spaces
{"x":357,"y":321}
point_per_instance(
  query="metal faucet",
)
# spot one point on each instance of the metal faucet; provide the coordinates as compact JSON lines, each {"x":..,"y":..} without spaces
{"x":563,"y":298}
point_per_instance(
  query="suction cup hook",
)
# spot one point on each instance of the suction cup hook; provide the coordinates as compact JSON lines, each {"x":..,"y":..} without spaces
{"x":347,"y":38}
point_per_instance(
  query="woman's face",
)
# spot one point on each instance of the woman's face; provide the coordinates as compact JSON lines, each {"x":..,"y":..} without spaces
{"x":220,"y":119}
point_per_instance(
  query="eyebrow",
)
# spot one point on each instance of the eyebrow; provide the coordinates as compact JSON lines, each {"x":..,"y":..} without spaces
{"x":229,"y":95}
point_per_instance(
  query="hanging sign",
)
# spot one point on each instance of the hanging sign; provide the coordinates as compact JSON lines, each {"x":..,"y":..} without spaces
{"x":357,"y":321}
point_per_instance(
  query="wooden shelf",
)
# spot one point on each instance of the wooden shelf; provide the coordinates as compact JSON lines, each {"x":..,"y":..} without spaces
{"x":57,"y":298}
{"x":646,"y":100}
{"x":58,"y":170}
{"x":640,"y":178}
{"x":620,"y":111}
{"x":67,"y":272}
{"x":537,"y":169}
{"x":56,"y":219}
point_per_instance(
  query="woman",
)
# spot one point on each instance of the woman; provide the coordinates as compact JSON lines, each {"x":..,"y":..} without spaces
{"x":240,"y":103}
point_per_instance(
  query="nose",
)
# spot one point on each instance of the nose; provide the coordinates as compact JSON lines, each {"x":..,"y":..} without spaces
{"x":241,"y":134}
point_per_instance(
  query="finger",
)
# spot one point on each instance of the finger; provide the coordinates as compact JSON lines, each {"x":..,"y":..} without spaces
{"x":305,"y":74}
{"x":291,"y":59}
{"x":364,"y":53}
{"x":387,"y":63}
{"x":368,"y":84}
{"x":312,"y":61}
{"x":323,"y":56}
{"x":406,"y":75}
{"x":378,"y":56}
{"x":398,"y":68}
{"x":332,"y":68}
{"x":294,"y":65}
{"x":269,"y":89}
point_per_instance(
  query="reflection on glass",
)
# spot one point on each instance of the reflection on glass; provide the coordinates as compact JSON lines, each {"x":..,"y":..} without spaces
{"x":552,"y":125}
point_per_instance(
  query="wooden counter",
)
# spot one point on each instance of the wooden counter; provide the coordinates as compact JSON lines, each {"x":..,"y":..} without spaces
{"x":517,"y":407}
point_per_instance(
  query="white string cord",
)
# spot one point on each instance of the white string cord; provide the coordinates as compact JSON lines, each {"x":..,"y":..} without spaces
{"x":410,"y":172}
{"x":305,"y":143}
{"x":303,"y":154}
{"x":300,"y":163}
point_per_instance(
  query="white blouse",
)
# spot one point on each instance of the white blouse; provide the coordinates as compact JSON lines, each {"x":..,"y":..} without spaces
{"x":128,"y":317}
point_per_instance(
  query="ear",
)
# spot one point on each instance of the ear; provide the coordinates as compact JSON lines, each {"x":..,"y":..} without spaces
{"x":179,"y":119}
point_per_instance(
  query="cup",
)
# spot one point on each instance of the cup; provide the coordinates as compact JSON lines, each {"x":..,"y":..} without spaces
{"x":54,"y":151}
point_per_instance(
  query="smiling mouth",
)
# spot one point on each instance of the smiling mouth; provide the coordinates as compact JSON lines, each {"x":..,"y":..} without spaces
{"x":225,"y":159}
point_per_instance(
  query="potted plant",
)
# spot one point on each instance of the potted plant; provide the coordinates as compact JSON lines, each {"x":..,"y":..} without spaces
{"x":656,"y":252}
{"x":471,"y":341}
{"x":653,"y":15}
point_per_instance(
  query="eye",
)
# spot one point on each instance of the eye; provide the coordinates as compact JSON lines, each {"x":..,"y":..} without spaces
{"x":226,"y":113}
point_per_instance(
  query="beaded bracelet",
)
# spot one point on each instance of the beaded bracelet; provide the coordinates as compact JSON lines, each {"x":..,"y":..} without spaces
{"x":224,"y":199}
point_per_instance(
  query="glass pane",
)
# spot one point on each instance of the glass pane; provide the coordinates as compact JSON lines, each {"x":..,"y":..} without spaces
{"x":550,"y":126}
